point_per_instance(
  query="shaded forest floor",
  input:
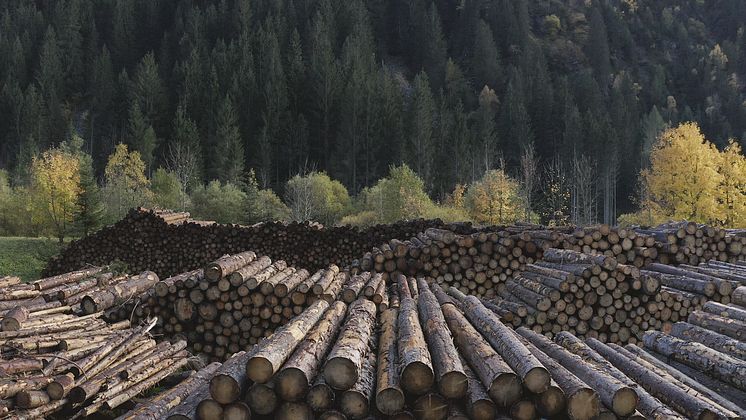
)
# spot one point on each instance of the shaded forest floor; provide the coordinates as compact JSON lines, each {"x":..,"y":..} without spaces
{"x":26,"y":257}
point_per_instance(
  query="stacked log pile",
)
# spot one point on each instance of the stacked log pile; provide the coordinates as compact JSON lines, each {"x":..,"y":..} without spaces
{"x":691,"y":243}
{"x":59,"y":362}
{"x":145,"y":241}
{"x":236,"y":300}
{"x":436,"y":355}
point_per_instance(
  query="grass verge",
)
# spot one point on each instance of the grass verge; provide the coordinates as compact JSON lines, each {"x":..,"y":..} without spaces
{"x":26,"y":257}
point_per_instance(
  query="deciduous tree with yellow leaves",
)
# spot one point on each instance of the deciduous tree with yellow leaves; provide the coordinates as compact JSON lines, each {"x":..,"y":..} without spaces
{"x":55,"y":187}
{"x":126,"y":183}
{"x":689,"y":179}
{"x":494,"y":199}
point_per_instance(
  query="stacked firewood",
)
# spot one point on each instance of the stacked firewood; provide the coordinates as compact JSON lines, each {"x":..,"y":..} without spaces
{"x":690,"y":243}
{"x":171,"y":244}
{"x":238,"y":299}
{"x":432,"y":355}
{"x":55,"y":361}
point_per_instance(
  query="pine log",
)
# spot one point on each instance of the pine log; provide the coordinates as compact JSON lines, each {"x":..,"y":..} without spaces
{"x":614,"y":394}
{"x":582,"y":402}
{"x":342,"y":368}
{"x":534,"y":375}
{"x":449,"y":373}
{"x":719,"y":309}
{"x":416,"y":368}
{"x":273,"y":352}
{"x":227,"y":265}
{"x":262,"y":398}
{"x":294,"y":379}
{"x":479,"y":406}
{"x":14,"y":319}
{"x":711,"y":339}
{"x":430,"y":406}
{"x":719,"y":365}
{"x":389,"y":395}
{"x":665,"y":392}
{"x":293,"y":411}
{"x":321,"y":396}
{"x":228,"y":383}
{"x":504,"y":386}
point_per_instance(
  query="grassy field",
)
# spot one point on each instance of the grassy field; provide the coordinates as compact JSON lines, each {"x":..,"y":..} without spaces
{"x":26,"y":257}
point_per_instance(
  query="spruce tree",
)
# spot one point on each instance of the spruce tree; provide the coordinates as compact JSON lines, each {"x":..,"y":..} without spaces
{"x":229,"y":154}
{"x":420,"y":146}
{"x":597,"y":49}
{"x":485,"y":61}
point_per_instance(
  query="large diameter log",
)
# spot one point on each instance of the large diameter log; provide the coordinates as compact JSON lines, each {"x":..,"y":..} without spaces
{"x":581,"y":401}
{"x":534,"y":375}
{"x":241,"y":275}
{"x":503,"y":385}
{"x":726,"y":368}
{"x":414,"y":357}
{"x":342,"y":368}
{"x":157,"y":407}
{"x":479,"y":406}
{"x":449,"y":373}
{"x":294,"y":379}
{"x":321,"y":396}
{"x":291,"y":410}
{"x":731,"y":327}
{"x":739,"y":296}
{"x":614,"y":394}
{"x":262,"y":398}
{"x":658,"y":387}
{"x":229,"y":381}
{"x":430,"y":406}
{"x":14,"y":319}
{"x":227,"y":265}
{"x":389,"y":395}
{"x":355,"y":403}
{"x":273,"y":352}
{"x":711,"y":339}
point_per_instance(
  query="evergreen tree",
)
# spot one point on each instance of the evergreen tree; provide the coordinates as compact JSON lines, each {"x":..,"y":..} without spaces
{"x":229,"y":154}
{"x":434,"y":48}
{"x":149,"y":92}
{"x":90,"y":215}
{"x":422,"y":112}
{"x":141,"y":136}
{"x":515,"y":122}
{"x":324,"y":76}
{"x":485,"y":58}
{"x":597,"y":49}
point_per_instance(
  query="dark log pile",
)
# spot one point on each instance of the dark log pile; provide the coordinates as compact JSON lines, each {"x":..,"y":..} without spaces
{"x":169,"y":244}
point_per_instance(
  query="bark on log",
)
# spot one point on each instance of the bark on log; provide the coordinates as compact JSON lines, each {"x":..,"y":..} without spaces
{"x":345,"y":360}
{"x":711,"y":339}
{"x":719,"y":365}
{"x":268,"y":359}
{"x":228,"y":383}
{"x":534,"y":375}
{"x":227,"y":265}
{"x":449,"y":373}
{"x":294,"y":379}
{"x":415,"y":365}
{"x":389,"y":395}
{"x":614,"y":394}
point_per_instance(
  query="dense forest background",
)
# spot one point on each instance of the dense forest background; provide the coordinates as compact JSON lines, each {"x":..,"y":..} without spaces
{"x":452,"y":88}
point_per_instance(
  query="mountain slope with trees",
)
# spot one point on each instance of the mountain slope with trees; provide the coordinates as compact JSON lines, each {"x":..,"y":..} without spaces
{"x":212,"y":90}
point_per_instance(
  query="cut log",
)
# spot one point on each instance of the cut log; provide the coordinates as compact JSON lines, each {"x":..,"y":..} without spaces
{"x":614,"y":394}
{"x":345,"y":360}
{"x":726,"y":368}
{"x":389,"y":395}
{"x":731,"y":327}
{"x":415,"y":365}
{"x":449,"y":373}
{"x":503,"y":385}
{"x":294,"y":379}
{"x":711,"y":339}
{"x":227,"y":265}
{"x":658,"y":387}
{"x":534,"y":375}
{"x":273,"y":352}
{"x":228,"y":383}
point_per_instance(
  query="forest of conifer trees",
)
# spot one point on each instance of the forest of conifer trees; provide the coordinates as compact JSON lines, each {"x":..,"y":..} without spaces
{"x":453,"y":88}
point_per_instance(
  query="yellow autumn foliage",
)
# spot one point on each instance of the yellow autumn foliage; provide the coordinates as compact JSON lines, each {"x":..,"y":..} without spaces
{"x":55,"y":187}
{"x":494,"y":199}
{"x":689,"y":179}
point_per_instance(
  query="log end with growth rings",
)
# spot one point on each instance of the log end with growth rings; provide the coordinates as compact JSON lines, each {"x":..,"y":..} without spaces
{"x":417,"y":378}
{"x":537,"y":380}
{"x":291,"y":384}
{"x":390,"y":401}
{"x":624,"y":401}
{"x":453,"y":385}
{"x":224,"y":389}
{"x":340,"y":373}
{"x":583,"y":405}
{"x":259,"y":369}
{"x":506,"y":389}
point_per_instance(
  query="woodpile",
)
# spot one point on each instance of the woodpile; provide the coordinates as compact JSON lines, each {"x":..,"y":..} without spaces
{"x":171,"y":243}
{"x":236,"y":300}
{"x":60,"y":362}
{"x":437,"y":355}
{"x":691,"y":243}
